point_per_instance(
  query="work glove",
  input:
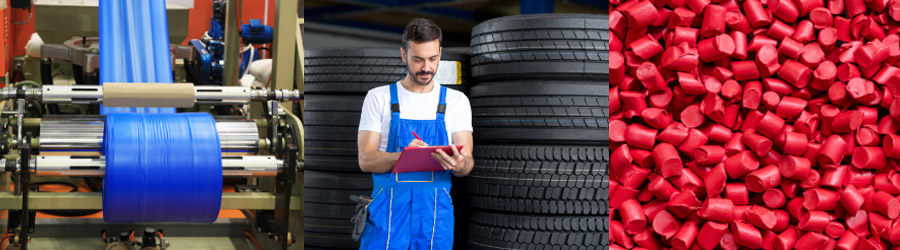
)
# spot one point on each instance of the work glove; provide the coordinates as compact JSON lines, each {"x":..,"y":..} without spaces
{"x":362,"y":214}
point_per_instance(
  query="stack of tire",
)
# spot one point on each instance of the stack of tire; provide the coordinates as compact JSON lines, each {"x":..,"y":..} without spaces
{"x":336,"y":82}
{"x":541,"y":121}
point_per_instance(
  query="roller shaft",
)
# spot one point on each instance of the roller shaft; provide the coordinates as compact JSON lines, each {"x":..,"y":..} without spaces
{"x":208,"y":95}
{"x":87,"y":134}
{"x":79,"y":165}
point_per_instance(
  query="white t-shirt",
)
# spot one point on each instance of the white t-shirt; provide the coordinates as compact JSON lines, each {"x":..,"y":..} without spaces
{"x":376,"y":110}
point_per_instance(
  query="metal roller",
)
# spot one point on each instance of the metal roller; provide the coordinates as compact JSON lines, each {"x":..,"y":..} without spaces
{"x":87,"y":134}
{"x":208,"y":95}
{"x":94,"y":165}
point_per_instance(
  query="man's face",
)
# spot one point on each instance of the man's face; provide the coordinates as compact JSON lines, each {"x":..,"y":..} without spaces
{"x":422,"y":60}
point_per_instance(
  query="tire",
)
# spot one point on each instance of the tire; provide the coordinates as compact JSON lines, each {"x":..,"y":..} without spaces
{"x":308,"y":247}
{"x":540,"y":179}
{"x":334,"y":113}
{"x":331,"y":241}
{"x":542,"y":223}
{"x":328,"y":208}
{"x":510,"y":235}
{"x":515,"y":231}
{"x":549,"y":46}
{"x":357,"y":70}
{"x":542,"y":112}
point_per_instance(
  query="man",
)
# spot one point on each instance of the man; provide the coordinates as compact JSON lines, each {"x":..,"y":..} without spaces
{"x":414,"y":210}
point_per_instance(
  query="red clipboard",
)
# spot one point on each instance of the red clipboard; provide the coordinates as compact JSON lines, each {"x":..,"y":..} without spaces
{"x":418,"y":159}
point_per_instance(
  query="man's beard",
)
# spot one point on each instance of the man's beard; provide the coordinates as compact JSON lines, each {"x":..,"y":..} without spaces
{"x":423,"y":73}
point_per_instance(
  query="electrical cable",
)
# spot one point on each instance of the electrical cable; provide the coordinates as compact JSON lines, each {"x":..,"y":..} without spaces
{"x":252,"y":239}
{"x":252,"y":52}
{"x":31,"y":83}
{"x":37,"y":184}
{"x":6,"y":235}
{"x":30,"y":15}
{"x":265,"y":49}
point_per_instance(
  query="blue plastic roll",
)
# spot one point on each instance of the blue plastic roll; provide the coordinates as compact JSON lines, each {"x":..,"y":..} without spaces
{"x":134,"y":46}
{"x":161,"y":168}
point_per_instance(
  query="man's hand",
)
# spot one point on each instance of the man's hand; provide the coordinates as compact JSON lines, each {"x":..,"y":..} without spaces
{"x":417,"y":143}
{"x":455,"y":163}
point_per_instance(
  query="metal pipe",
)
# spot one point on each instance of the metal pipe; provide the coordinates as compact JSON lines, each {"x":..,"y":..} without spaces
{"x":95,"y":165}
{"x":208,"y":95}
{"x":20,"y":115}
{"x":87,"y":134}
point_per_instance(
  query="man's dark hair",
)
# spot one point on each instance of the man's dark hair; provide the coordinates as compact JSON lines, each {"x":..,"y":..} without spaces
{"x":421,"y":30}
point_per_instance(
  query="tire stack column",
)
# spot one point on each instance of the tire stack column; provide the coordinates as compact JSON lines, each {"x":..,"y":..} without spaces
{"x":541,"y":132}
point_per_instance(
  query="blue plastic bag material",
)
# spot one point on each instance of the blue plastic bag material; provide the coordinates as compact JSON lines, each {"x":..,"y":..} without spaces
{"x":161,"y":168}
{"x":134,"y":46}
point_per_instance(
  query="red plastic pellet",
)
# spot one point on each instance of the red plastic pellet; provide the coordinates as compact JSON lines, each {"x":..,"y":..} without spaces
{"x":786,"y":240}
{"x":686,"y":235}
{"x":771,"y":124}
{"x":632,"y":216}
{"x":814,"y":220}
{"x":711,"y":233}
{"x":717,"y":209}
{"x":641,"y":14}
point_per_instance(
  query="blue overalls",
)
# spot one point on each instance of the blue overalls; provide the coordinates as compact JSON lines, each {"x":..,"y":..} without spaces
{"x":411,"y":210}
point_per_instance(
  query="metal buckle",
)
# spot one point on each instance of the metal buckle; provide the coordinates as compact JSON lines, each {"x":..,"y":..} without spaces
{"x":397,"y":178}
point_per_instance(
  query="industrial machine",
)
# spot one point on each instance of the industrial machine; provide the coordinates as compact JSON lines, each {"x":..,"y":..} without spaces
{"x":40,"y":145}
{"x":52,"y":131}
{"x":206,"y":66}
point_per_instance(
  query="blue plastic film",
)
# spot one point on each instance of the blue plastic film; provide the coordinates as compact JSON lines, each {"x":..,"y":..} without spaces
{"x":134,"y":46}
{"x":161,"y":168}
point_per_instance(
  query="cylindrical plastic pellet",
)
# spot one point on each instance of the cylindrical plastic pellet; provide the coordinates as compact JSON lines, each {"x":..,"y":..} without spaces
{"x":886,"y":204}
{"x":741,"y":164}
{"x":632,"y":216}
{"x":832,"y":151}
{"x":763,"y":179}
{"x":811,"y":240}
{"x":814,"y":220}
{"x":665,"y":224}
{"x":717,"y":209}
{"x":710,"y":234}
{"x":761,"y":217}
{"x":716,"y":48}
{"x":820,"y":199}
{"x":667,"y":160}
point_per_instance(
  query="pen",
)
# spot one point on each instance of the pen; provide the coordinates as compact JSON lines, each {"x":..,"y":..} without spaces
{"x":417,"y":136}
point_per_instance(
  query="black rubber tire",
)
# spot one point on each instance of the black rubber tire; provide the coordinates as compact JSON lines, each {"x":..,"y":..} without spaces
{"x":357,"y":70}
{"x":549,"y":46}
{"x":331,"y":241}
{"x":328,"y":208}
{"x":542,"y":223}
{"x":335,"y":113}
{"x":540,"y":179}
{"x":308,"y":247}
{"x":500,"y":231}
{"x":534,"y":111}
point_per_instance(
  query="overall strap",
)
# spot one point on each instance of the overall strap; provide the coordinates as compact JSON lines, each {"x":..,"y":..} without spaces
{"x":442,"y":103}
{"x":395,"y":102}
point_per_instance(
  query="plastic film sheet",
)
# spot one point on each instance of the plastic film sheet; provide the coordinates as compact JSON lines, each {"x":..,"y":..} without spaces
{"x":134,"y":37}
{"x":161,"y":168}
